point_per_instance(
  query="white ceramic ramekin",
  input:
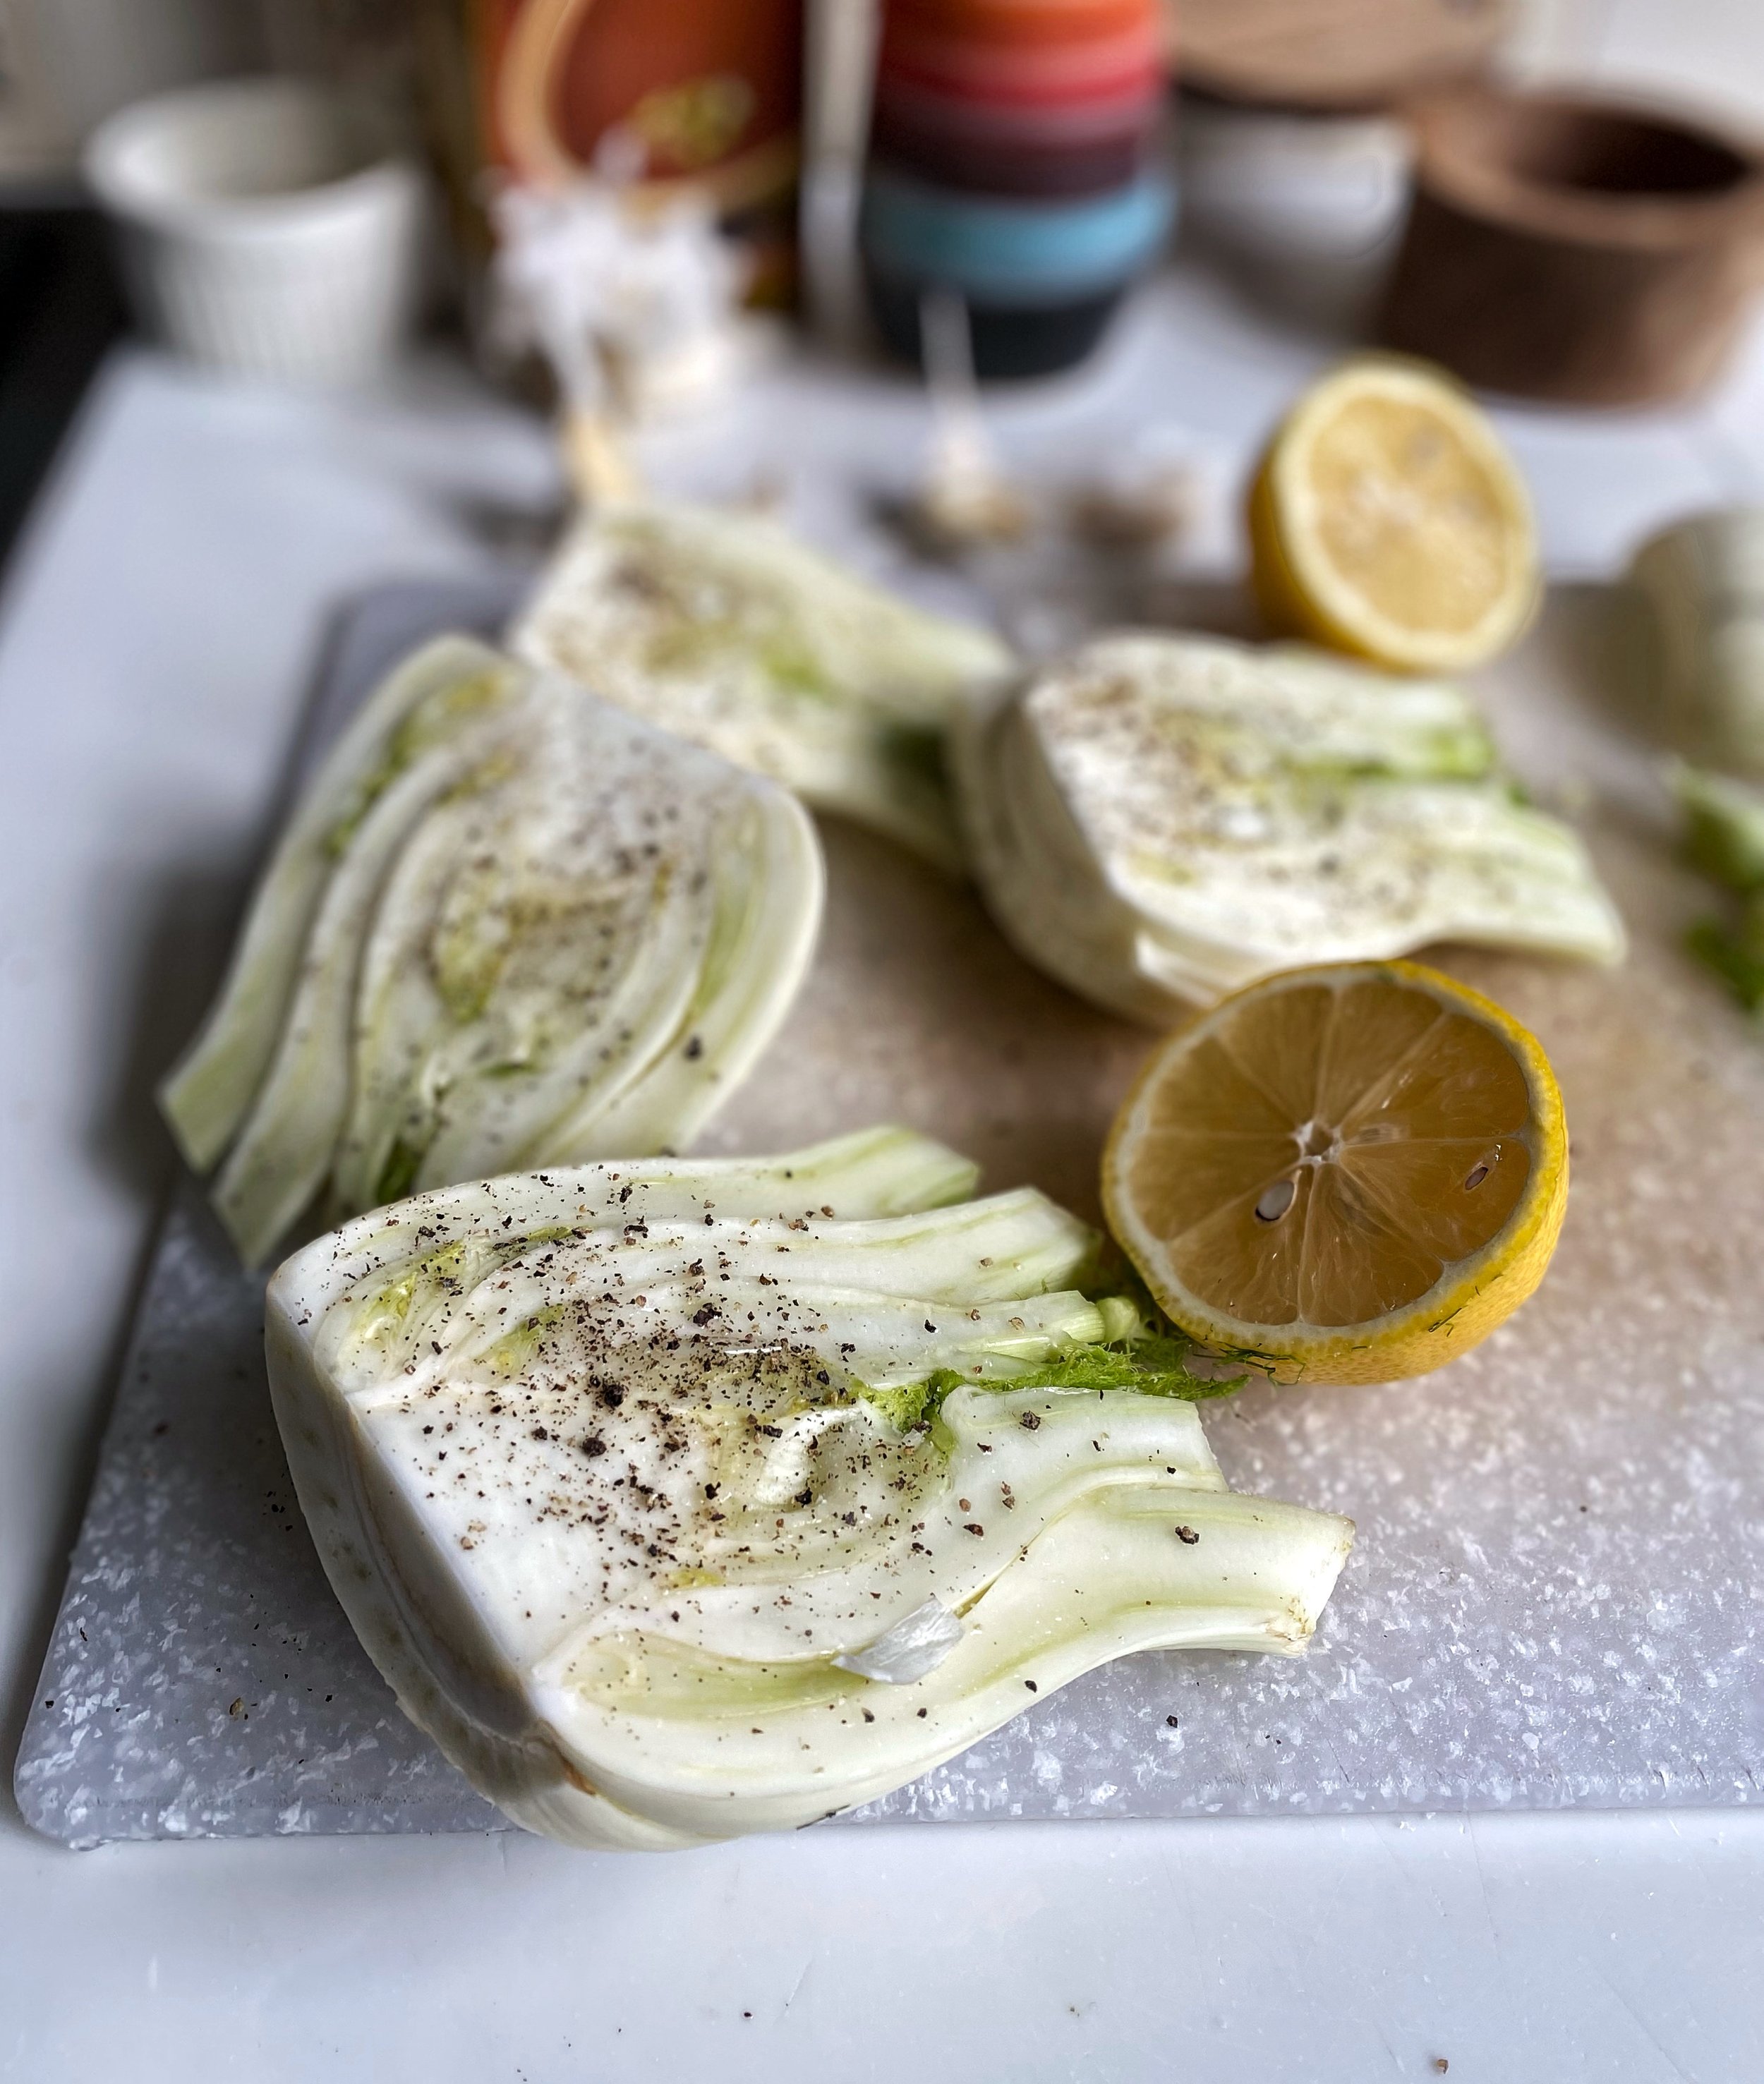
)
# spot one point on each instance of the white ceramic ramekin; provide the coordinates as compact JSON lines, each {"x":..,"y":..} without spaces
{"x":265,"y":230}
{"x":1306,"y":208}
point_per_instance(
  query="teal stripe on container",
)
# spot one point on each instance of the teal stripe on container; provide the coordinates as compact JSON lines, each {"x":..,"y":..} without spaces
{"x":1014,"y":252}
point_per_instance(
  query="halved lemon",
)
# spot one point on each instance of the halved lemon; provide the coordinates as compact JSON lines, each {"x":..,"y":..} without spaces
{"x":1387,"y":520}
{"x":1347,"y":1173}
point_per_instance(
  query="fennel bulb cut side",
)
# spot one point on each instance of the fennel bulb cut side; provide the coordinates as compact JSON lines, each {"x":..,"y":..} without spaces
{"x":725,"y":629}
{"x":435,"y":692}
{"x":508,"y":925}
{"x":1159,"y":821}
{"x":679,"y":1499}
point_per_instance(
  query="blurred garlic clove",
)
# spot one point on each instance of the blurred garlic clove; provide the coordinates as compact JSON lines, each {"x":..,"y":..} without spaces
{"x":1150,"y":512}
{"x":966,"y":502}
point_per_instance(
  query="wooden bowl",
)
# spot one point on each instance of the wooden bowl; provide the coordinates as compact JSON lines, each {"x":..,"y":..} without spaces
{"x":1595,"y":252}
{"x":1359,"y":55}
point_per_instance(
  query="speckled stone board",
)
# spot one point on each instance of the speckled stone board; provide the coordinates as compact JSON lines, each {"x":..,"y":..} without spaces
{"x":1558,"y":1595}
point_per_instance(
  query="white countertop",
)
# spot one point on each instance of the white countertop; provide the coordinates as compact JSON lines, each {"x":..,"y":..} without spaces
{"x":159,"y":629}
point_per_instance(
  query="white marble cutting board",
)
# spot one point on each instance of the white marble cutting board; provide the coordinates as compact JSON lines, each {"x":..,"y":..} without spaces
{"x":1555,"y":1599}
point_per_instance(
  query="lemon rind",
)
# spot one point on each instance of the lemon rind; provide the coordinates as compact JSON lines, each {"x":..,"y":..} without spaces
{"x":1472,"y":1296}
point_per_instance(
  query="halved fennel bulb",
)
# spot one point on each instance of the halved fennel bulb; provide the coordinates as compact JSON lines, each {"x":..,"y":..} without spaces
{"x":682,"y":1499}
{"x":508,"y":925}
{"x":1158,"y":820}
{"x":726,"y":628}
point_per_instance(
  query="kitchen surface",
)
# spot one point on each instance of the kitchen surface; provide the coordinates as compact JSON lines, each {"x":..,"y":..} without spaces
{"x":177,"y":607}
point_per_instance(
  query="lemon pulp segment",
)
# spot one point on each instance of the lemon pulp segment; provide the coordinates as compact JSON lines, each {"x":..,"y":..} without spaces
{"x":1348,"y":1170}
{"x":1387,"y":520}
{"x":1410,"y":517}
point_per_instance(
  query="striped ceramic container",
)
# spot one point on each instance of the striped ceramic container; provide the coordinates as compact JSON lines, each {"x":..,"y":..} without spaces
{"x":1012,"y":161}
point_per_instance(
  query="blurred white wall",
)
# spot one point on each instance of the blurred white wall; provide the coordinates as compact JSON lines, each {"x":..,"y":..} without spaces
{"x":66,"y":64}
{"x":1710,"y":51}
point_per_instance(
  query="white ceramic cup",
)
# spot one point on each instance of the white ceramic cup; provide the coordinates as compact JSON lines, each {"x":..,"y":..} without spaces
{"x":1308,"y":207}
{"x":266,"y":228}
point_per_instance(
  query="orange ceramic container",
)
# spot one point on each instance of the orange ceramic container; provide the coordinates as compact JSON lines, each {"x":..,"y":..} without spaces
{"x":1018,"y":23}
{"x":1043,"y":75}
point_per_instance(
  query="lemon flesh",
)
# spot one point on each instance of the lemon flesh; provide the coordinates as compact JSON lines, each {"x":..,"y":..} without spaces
{"x":1348,"y":1173}
{"x":1387,"y":520}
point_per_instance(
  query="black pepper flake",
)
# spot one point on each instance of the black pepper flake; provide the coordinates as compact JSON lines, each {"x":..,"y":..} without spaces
{"x":1030,"y":1422}
{"x":868,"y":1716}
{"x":539,"y":1433}
{"x":1170,"y":1721}
{"x":593,"y":1446}
{"x":703,"y":1316}
{"x":1031,"y":1685}
{"x":1187,"y":1536}
{"x":695,"y":1048}
{"x":922,"y":1713}
{"x":973,"y":1527}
